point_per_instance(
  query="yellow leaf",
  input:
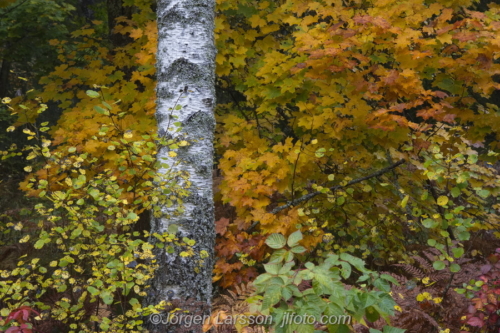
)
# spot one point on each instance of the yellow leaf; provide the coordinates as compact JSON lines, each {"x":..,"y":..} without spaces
{"x":405,"y":201}
{"x":172,"y":154}
{"x":10,"y":128}
{"x":27,"y":168}
{"x":27,"y":131}
{"x":68,"y":181}
{"x":442,"y":200}
{"x":24,"y":239}
{"x":257,"y":21}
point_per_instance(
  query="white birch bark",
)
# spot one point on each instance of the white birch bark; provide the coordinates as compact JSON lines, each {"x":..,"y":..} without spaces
{"x":186,"y":66}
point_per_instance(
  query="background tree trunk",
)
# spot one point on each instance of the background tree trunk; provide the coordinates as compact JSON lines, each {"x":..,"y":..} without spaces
{"x":115,"y":9}
{"x":186,"y":69}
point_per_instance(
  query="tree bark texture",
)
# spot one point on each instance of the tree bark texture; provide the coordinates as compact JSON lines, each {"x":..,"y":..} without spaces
{"x":185,"y":72}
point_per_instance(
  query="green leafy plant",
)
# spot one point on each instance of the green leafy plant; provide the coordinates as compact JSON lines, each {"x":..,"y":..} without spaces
{"x":293,"y":286}
{"x":90,"y":269}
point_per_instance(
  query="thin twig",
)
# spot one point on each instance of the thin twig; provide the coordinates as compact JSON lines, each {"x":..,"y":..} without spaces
{"x":336,"y":187}
{"x":309,"y":196}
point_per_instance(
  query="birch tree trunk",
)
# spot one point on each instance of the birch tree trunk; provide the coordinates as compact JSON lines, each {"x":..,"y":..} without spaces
{"x":186,"y":77}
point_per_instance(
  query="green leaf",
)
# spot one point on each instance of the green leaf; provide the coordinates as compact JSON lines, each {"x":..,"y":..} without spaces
{"x":389,"y":278}
{"x":106,"y":297}
{"x":483,"y":193}
{"x":472,"y":159}
{"x":271,"y":296}
{"x":458,"y":252}
{"x":104,"y":326}
{"x":94,"y":193}
{"x":173,"y":228}
{"x":272,"y":268}
{"x":464,"y":235}
{"x":39,"y":244}
{"x":405,"y":201}
{"x":132,"y":216}
{"x":346,"y":269}
{"x":298,"y":249}
{"x":320,"y":152}
{"x":101,"y":110}
{"x":279,"y":255}
{"x":92,"y":93}
{"x":372,"y":314}
{"x":107,"y":105}
{"x":390,"y":329}
{"x":76,"y":232}
{"x":448,"y":84}
{"x":276,"y":241}
{"x":262,"y":278}
{"x":286,"y":268}
{"x":356,"y":262}
{"x":382,"y":285}
{"x":294,"y":238}
{"x":454,"y":268}
{"x":92,"y":290}
{"x":438,"y":265}
{"x":455,"y":192}
{"x":428,"y":223}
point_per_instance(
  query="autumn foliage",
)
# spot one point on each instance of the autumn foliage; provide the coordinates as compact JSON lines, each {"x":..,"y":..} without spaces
{"x":370,"y":127}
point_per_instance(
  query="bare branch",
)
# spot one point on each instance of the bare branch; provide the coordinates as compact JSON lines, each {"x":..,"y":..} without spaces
{"x":352,"y":182}
{"x":309,"y":196}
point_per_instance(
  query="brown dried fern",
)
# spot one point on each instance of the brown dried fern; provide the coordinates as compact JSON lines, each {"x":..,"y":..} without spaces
{"x":233,"y":304}
{"x":445,"y":308}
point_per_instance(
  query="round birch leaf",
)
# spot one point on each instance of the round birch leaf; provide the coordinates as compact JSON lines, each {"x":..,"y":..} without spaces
{"x":438,"y":265}
{"x":454,"y":268}
{"x":442,"y":200}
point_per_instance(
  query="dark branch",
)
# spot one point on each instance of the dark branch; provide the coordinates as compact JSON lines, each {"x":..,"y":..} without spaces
{"x":352,"y":182}
{"x":309,"y":196}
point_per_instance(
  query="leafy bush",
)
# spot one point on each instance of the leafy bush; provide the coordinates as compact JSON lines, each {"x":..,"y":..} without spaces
{"x":88,"y":268}
{"x":314,"y":293}
{"x":484,"y":314}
